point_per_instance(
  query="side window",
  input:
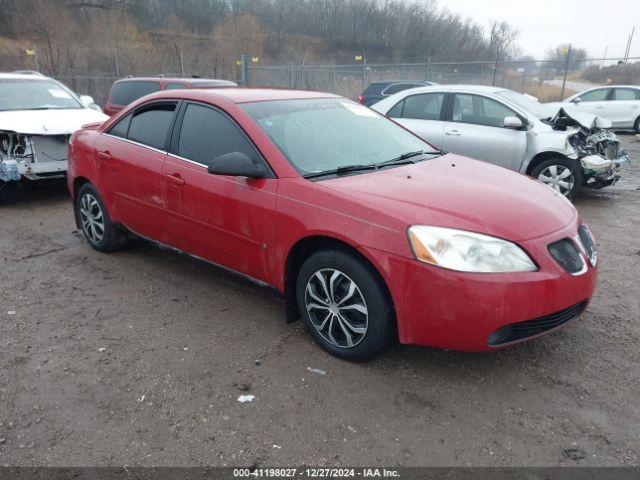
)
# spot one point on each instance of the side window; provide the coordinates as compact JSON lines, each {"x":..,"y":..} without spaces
{"x":626,"y":94}
{"x":599,"y":95}
{"x":396,"y":110}
{"x":207,"y":133}
{"x":175,"y":86}
{"x":121,"y":128}
{"x":479,"y":110}
{"x":399,"y":87}
{"x":424,"y":106}
{"x":123,"y":93}
{"x":150,"y":125}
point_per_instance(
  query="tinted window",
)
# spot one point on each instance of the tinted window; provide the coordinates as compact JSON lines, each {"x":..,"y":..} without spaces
{"x":121,"y":128}
{"x":151,"y":125}
{"x":124,"y":93}
{"x":396,"y":111}
{"x":207,"y":133}
{"x":374,"y":88}
{"x":625,"y":94}
{"x":175,"y":86}
{"x":595,"y":95}
{"x":425,"y":106}
{"x":480,"y":110}
{"x":399,"y":87}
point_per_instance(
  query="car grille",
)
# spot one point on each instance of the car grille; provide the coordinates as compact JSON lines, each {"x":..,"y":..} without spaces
{"x":587,"y":242}
{"x":567,"y":255}
{"x":519,"y":331}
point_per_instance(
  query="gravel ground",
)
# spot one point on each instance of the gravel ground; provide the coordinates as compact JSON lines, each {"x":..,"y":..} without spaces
{"x":138,"y":358}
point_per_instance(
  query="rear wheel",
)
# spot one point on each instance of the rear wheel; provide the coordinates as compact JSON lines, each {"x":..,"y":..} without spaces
{"x":636,"y":126}
{"x":95,"y":222}
{"x":561,"y":174}
{"x":344,"y":305}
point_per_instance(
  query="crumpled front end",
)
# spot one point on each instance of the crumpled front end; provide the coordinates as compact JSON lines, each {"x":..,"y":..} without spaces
{"x":600,"y":156}
{"x":35,"y":157}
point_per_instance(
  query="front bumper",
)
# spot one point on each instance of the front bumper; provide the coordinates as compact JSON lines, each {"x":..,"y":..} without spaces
{"x":603,"y":177}
{"x":460,"y":311}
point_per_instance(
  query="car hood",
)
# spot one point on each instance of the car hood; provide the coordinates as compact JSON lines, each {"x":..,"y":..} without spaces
{"x":458,"y":192}
{"x":567,"y":115}
{"x":49,"y":122}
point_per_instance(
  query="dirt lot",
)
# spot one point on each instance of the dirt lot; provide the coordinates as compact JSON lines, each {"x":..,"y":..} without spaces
{"x":139,"y":357}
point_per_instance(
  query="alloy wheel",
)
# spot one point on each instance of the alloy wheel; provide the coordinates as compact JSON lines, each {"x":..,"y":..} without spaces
{"x":558,"y":177}
{"x":92,"y":218}
{"x":337,"y":308}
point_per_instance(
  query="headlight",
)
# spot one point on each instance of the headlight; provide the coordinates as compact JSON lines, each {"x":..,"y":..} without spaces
{"x":467,"y":251}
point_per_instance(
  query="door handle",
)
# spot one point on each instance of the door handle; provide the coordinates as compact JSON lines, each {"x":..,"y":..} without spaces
{"x":453,"y":133}
{"x":175,"y":178}
{"x":105,"y":155}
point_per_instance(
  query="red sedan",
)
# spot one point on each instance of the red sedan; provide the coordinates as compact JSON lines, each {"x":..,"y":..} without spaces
{"x":369,"y":233}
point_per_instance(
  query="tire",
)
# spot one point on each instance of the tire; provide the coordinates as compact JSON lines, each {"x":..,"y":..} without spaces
{"x":551,"y":172}
{"x":8,"y":192}
{"x":95,"y":222}
{"x":358,"y":320}
{"x":636,"y":126}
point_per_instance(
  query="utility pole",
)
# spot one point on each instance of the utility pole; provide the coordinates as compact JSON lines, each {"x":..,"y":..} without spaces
{"x":604,"y":57}
{"x":628,"y":50}
{"x":115,"y":59}
{"x":495,"y":66}
{"x":566,"y":68}
{"x":181,"y":61}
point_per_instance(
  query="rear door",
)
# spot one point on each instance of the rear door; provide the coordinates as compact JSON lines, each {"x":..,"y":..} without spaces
{"x":423,"y":114}
{"x":624,"y":107}
{"x":475,"y":129}
{"x":131,"y":156}
{"x":227,"y":220}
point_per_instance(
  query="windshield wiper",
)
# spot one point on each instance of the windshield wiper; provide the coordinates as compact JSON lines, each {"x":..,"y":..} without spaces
{"x":406,"y":157}
{"x":341,"y":170}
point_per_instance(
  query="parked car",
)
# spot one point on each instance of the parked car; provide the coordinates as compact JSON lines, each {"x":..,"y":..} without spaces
{"x":377,"y":91}
{"x":37,"y":116}
{"x":619,"y":104}
{"x":565,"y":149}
{"x":368,"y":232}
{"x":127,"y":90}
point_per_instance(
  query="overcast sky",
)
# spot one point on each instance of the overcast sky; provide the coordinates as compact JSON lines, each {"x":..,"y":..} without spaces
{"x":589,"y":24}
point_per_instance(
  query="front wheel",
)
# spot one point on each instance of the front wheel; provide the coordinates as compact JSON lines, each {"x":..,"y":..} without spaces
{"x":344,"y":305}
{"x":636,"y":126}
{"x":561,"y":174}
{"x":95,"y":222}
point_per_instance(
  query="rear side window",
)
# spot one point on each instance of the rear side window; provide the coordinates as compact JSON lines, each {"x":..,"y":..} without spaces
{"x":374,"y":88}
{"x":425,"y":106}
{"x":175,"y":86}
{"x":399,"y":87}
{"x":207,"y":133}
{"x":595,"y":95}
{"x":479,"y":110}
{"x":150,"y":125}
{"x":123,"y":93}
{"x":626,"y":94}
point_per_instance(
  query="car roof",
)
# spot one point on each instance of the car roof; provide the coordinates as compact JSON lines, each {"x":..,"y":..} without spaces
{"x":23,"y":76}
{"x":241,"y":94}
{"x":172,"y":79}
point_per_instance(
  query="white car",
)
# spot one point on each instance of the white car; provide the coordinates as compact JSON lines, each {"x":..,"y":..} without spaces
{"x":563,"y":148}
{"x":37,"y":116}
{"x":619,"y":104}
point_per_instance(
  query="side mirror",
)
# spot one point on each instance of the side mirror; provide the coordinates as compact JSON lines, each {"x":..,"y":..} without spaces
{"x":236,"y":164}
{"x":512,"y":122}
{"x":576,"y":100}
{"x":86,"y":101}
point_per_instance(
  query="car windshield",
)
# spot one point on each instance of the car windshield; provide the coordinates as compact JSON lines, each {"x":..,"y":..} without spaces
{"x":528,"y":104}
{"x":323,"y":135}
{"x":36,"y":94}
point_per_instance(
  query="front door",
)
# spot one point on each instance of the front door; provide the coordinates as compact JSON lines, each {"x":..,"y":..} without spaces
{"x":422,"y":114}
{"x":475,"y":129}
{"x":227,"y":220}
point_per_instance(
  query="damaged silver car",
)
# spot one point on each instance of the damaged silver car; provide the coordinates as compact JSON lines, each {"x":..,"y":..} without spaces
{"x":37,"y":117}
{"x":566,"y":149}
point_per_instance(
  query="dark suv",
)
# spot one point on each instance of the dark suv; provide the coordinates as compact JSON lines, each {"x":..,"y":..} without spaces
{"x":377,"y":91}
{"x":127,"y":90}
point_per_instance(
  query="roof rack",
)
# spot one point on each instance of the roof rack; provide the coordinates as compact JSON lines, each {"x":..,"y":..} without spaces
{"x":28,"y":72}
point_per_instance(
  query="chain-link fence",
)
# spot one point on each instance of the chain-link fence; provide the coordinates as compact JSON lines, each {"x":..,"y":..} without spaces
{"x":546,"y":79}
